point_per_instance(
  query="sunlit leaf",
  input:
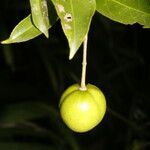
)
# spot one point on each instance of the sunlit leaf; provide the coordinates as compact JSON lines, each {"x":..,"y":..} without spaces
{"x":40,"y":15}
{"x":126,"y":11}
{"x":75,"y":18}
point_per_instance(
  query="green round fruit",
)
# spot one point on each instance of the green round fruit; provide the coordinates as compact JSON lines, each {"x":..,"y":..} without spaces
{"x":82,"y":110}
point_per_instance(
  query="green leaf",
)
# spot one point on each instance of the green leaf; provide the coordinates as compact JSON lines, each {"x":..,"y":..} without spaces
{"x":75,"y":18}
{"x":40,"y":15}
{"x":25,"y":30}
{"x":126,"y":11}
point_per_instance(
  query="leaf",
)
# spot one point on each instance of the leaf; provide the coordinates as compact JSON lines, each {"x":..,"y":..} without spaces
{"x":75,"y":18}
{"x":24,"y":111}
{"x":67,"y":135}
{"x":9,"y":131}
{"x":25,"y":30}
{"x":40,"y":15}
{"x":126,"y":11}
{"x":15,"y":121}
{"x":25,"y":146}
{"x":19,"y":112}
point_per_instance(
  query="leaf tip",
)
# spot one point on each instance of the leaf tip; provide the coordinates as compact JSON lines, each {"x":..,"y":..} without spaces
{"x":70,"y":57}
{"x":44,"y":30}
{"x":46,"y":34}
{"x":73,"y":50}
{"x":7,"y":41}
{"x":72,"y":53}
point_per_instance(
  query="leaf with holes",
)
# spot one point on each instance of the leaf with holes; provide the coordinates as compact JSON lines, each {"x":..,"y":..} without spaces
{"x":75,"y":18}
{"x":126,"y":11}
{"x":40,"y":15}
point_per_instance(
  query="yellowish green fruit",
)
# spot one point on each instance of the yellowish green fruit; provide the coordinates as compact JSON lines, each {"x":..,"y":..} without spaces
{"x":82,"y":110}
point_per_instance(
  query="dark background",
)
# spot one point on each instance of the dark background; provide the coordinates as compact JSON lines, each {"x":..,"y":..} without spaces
{"x":34,"y":74}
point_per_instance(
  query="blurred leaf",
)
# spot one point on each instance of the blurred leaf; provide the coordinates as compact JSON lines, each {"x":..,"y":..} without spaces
{"x":75,"y":18}
{"x":66,"y":133}
{"x":25,"y":30}
{"x":8,"y":131}
{"x":19,"y":112}
{"x":140,"y":145}
{"x":9,"y":56}
{"x":126,"y":11}
{"x":40,"y":15}
{"x":16,"y":113}
{"x":25,"y":146}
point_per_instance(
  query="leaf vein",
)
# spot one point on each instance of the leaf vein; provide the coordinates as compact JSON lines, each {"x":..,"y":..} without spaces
{"x":130,"y":7}
{"x":73,"y":19}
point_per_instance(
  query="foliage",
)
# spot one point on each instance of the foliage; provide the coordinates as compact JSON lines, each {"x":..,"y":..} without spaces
{"x":126,"y":11}
{"x":75,"y":16}
{"x":34,"y":74}
{"x":26,"y":30}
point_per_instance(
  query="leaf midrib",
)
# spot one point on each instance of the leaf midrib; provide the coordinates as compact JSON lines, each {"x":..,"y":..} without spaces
{"x":24,"y":31}
{"x":129,"y":7}
{"x":74,"y":29}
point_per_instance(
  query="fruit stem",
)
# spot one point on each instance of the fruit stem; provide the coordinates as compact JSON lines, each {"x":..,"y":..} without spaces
{"x":84,"y":64}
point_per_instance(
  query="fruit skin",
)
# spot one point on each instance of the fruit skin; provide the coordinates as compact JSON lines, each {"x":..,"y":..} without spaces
{"x":82,"y":110}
